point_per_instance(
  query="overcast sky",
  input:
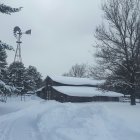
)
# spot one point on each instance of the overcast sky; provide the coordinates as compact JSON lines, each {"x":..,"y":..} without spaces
{"x":62,"y":32}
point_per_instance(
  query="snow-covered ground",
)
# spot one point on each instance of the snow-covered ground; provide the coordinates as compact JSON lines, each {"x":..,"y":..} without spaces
{"x":36,"y":119}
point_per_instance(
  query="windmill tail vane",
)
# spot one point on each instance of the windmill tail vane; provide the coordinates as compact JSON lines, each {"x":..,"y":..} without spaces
{"x":28,"y":32}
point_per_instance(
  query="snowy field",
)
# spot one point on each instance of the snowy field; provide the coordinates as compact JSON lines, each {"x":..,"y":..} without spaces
{"x":36,"y":119}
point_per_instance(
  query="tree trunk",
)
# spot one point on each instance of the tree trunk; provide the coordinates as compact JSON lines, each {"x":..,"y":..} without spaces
{"x":133,"y":98}
{"x":133,"y":90}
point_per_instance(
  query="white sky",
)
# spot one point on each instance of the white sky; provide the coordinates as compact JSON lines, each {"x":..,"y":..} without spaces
{"x":62,"y":32}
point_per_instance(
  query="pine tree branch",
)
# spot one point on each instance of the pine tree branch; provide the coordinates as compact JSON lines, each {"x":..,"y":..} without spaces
{"x":8,"y":10}
{"x":6,"y":46}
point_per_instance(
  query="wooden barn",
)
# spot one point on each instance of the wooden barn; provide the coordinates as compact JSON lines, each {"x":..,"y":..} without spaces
{"x":70,"y":89}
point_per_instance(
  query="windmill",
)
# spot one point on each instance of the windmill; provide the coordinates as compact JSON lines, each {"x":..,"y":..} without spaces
{"x":18,"y":34}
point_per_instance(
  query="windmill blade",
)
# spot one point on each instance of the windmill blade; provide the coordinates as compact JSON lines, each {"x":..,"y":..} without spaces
{"x":16,"y":31}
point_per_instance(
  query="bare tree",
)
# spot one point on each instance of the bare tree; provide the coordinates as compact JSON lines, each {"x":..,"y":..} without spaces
{"x":96,"y":72}
{"x":118,"y":43}
{"x":78,"y":70}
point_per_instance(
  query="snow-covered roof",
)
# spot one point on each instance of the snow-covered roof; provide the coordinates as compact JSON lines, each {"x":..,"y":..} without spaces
{"x":76,"y":81}
{"x":40,"y":89}
{"x":85,"y":91}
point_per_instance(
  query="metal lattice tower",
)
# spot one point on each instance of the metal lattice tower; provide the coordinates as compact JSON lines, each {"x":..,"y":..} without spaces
{"x":18,"y":34}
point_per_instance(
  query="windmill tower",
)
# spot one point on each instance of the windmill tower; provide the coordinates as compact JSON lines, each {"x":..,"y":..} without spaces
{"x":18,"y":34}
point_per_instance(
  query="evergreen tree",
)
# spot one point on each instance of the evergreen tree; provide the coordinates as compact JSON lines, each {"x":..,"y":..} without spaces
{"x":3,"y":63}
{"x":29,"y":83}
{"x":25,"y":79}
{"x":34,"y":77}
{"x":4,"y":88}
{"x":17,"y":74}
